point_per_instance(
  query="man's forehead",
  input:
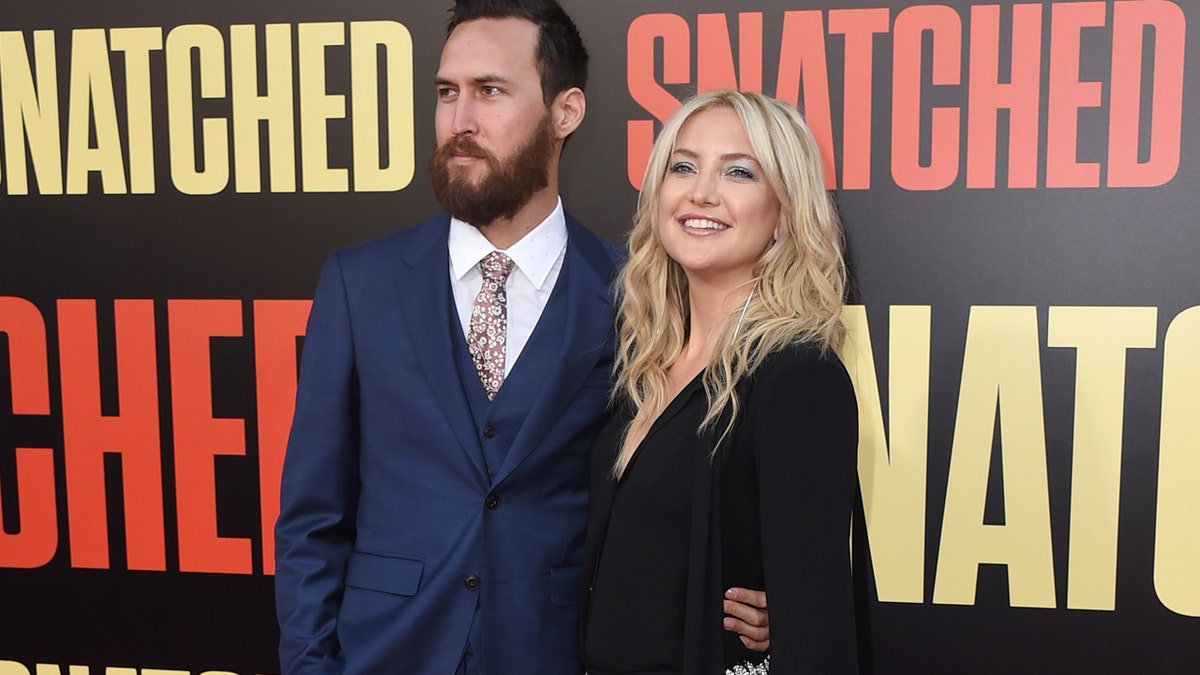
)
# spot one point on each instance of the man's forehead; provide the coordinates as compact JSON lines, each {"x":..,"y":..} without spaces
{"x":509,"y":42}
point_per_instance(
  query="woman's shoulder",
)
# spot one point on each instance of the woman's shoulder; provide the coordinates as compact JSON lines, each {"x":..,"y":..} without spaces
{"x":801,"y":359}
{"x":799,"y":380}
{"x":803,"y":387}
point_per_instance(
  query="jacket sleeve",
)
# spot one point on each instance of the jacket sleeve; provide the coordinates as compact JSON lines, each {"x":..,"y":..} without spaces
{"x":805,"y":421}
{"x":315,"y":533}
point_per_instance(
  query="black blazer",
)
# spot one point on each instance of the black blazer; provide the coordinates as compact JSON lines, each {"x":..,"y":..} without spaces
{"x":771,"y":511}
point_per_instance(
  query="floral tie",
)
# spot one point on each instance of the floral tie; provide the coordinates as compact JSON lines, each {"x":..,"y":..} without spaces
{"x":487,"y":336}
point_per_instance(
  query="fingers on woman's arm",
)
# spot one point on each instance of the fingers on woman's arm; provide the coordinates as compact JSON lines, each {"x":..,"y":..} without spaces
{"x":746,"y":615}
{"x":750,"y":598}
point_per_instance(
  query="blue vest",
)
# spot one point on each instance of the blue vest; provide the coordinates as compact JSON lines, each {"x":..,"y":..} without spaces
{"x":497,"y":421}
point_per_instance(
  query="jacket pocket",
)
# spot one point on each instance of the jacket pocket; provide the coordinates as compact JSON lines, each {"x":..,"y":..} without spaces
{"x":565,"y":587}
{"x":398,"y":575}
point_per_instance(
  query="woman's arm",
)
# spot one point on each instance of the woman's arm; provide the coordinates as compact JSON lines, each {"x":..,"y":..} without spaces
{"x":804,"y":419}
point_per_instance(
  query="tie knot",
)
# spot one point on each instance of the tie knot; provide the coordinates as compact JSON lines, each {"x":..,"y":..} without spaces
{"x":496,"y":266}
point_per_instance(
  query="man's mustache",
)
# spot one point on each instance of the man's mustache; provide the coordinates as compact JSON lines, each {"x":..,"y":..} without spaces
{"x":463,"y":145}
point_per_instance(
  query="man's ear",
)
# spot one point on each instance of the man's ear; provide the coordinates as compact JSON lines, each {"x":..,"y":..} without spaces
{"x":567,"y":111}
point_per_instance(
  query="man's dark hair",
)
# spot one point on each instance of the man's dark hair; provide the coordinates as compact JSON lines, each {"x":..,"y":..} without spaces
{"x":562,"y":60}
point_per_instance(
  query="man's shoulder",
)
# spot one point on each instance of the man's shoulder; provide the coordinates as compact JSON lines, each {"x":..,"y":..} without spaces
{"x":407,"y":243}
{"x":593,"y":245}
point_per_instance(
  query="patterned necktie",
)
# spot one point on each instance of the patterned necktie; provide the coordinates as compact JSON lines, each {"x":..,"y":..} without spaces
{"x":488,"y":333}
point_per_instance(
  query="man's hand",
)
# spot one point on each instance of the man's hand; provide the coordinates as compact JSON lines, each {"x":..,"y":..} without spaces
{"x":746,"y":615}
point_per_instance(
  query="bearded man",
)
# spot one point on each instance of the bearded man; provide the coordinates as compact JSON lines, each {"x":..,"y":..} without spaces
{"x":453,"y":379}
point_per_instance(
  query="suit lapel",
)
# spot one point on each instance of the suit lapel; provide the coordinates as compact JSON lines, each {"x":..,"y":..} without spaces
{"x":586,"y":281}
{"x":423,"y":286}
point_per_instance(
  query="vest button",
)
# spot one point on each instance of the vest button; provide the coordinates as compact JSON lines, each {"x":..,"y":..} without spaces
{"x":491,"y":502}
{"x":489,"y":431}
{"x":471,"y":582}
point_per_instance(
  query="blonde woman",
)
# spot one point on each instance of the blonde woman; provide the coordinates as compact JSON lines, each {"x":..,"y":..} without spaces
{"x":731,"y":461}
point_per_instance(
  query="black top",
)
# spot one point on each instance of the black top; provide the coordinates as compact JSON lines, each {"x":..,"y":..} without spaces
{"x":646,"y":545}
{"x":772,"y":511}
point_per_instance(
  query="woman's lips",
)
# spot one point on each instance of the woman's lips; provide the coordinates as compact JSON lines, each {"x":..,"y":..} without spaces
{"x":702,"y":225}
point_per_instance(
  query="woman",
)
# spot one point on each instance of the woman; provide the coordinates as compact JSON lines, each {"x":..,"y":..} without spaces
{"x":731,"y":461}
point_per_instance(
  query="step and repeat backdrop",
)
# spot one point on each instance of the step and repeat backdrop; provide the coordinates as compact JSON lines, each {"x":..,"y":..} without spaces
{"x":1020,"y":188}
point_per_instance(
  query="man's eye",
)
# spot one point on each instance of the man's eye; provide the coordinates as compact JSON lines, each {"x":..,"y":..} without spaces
{"x":490,"y":91}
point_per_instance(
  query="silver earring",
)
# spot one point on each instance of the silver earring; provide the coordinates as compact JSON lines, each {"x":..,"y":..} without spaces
{"x":745,"y":307}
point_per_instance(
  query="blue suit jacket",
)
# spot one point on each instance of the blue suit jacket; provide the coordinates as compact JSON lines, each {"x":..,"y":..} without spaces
{"x":394,"y":532}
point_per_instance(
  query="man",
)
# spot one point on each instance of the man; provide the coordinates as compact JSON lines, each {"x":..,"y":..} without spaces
{"x":434,"y":490}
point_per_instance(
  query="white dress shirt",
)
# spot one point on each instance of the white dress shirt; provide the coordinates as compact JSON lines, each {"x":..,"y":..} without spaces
{"x":538,"y":257}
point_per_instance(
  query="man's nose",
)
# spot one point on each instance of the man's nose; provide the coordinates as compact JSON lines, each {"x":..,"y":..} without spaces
{"x":464,"y":120}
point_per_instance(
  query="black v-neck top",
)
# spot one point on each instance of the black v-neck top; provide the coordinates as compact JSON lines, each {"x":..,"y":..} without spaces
{"x":646,"y":549}
{"x":772,"y":511}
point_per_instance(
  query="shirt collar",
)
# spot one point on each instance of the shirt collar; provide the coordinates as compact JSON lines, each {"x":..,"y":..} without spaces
{"x":534,"y":254}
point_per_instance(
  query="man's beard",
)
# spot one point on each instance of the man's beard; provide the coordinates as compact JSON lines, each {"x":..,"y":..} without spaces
{"x":504,"y":189}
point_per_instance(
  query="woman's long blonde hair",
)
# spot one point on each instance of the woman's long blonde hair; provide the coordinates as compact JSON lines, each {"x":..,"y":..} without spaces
{"x":798,"y":289}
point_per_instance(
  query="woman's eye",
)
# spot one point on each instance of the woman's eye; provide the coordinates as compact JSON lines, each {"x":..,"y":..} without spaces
{"x":741,"y":172}
{"x":681,"y":167}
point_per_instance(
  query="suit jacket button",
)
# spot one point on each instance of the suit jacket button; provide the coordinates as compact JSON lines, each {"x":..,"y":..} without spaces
{"x":471,"y":582}
{"x":489,"y":431}
{"x":491,"y":502}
